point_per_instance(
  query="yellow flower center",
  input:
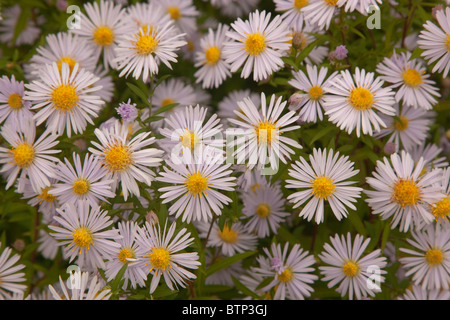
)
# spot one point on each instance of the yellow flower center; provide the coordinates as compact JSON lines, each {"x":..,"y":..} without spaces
{"x":46,"y":196}
{"x":322,"y":187}
{"x":300,"y":3}
{"x":23,"y":155}
{"x":190,"y":45}
{"x":254,"y":187}
{"x":71,"y":62}
{"x":174,"y":12}
{"x":361,"y":98}
{"x":81,"y":186}
{"x":255,"y":44}
{"x":159,"y":258}
{"x":15,"y":101}
{"x":447,"y":42}
{"x":118,"y":157}
{"x":350,"y":269}
{"x":331,"y":2}
{"x":315,"y":93}
{"x":401,"y":123}
{"x":126,"y":253}
{"x":212,"y":55}
{"x":286,"y":275}
{"x":227,"y":234}
{"x":103,"y":36}
{"x":265,"y":131}
{"x":263,"y":210}
{"x":412,"y":78}
{"x":166,"y":102}
{"x":189,"y":140}
{"x":442,"y":209}
{"x":406,"y":193}
{"x":196,"y":184}
{"x":82,"y":237}
{"x":146,"y":44}
{"x":64,"y":97}
{"x":434,"y":257}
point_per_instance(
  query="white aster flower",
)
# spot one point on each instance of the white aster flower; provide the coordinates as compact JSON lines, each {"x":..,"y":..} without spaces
{"x":197,"y":189}
{"x":84,"y":233}
{"x":264,"y":209}
{"x":66,"y":99}
{"x":435,"y":42}
{"x":408,"y":128}
{"x":419,"y":293}
{"x":250,"y":180}
{"x":441,"y":209}
{"x":61,"y":48}
{"x":82,"y":289}
{"x":147,"y":15}
{"x":48,"y":246}
{"x":182,"y":12}
{"x":141,"y":53}
{"x":126,"y":253}
{"x":430,"y":153}
{"x":348,"y":267}
{"x":257,"y":44}
{"x":429,"y":261}
{"x":162,"y":257}
{"x":227,"y":106}
{"x":320,"y":12}
{"x":43,"y":200}
{"x":262,"y":135}
{"x":409,"y":76}
{"x":223,"y":276}
{"x":102,"y":26}
{"x":355,"y":100}
{"x":314,"y":88}
{"x":10,"y":18}
{"x":292,"y":10}
{"x":402,"y":191}
{"x":325,"y":179}
{"x":235,"y":8}
{"x":88,"y":181}
{"x":127,"y":160}
{"x":189,"y":138}
{"x":362,"y":6}
{"x":173,"y":90}
{"x":291,"y":271}
{"x":231,"y":239}
{"x":11,"y":280}
{"x":28,"y":156}
{"x":14,"y":109}
{"x":213,"y":69}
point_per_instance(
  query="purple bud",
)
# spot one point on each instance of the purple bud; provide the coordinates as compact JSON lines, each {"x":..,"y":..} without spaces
{"x":127,"y":111}
{"x":341,"y":52}
{"x":332,"y":56}
{"x":390,"y":148}
{"x":295,"y":100}
{"x":277,"y":265}
{"x":61,"y":5}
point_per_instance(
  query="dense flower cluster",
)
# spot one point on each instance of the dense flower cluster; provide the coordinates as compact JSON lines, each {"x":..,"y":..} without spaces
{"x":169,"y":148}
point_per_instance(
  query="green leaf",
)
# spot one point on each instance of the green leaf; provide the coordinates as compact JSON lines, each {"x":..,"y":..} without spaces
{"x":241,"y":287}
{"x":228,"y":262}
{"x":115,"y":284}
{"x":22,"y":22}
{"x":355,"y":220}
{"x":165,"y":108}
{"x":141,"y":94}
{"x":322,"y":133}
{"x":385,"y":236}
